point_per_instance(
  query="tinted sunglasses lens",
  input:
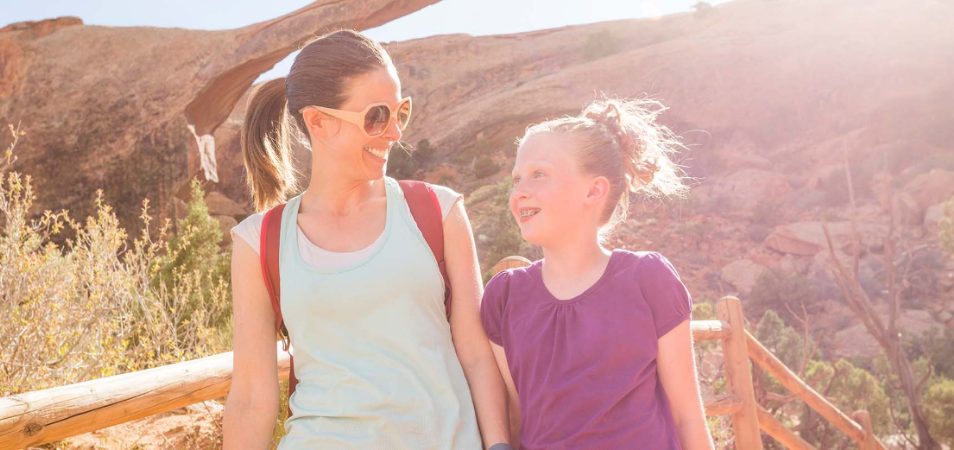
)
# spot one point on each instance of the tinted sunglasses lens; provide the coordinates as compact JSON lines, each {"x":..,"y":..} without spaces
{"x":376,"y":120}
{"x":404,"y":114}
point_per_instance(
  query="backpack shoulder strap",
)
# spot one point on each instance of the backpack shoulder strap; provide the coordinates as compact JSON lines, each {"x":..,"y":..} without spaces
{"x":426,"y":210}
{"x":268,"y":253}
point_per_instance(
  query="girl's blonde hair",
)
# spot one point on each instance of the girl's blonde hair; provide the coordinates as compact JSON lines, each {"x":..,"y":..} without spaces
{"x":621,"y":140}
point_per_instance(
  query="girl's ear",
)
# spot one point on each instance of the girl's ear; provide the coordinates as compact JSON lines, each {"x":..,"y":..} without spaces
{"x":598,"y":191}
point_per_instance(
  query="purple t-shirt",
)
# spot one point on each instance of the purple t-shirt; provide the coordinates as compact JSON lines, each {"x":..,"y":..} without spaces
{"x":585,"y":368}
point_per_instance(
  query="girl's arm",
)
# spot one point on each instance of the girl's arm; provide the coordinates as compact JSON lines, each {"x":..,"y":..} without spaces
{"x":252,"y":405}
{"x":675,"y":364}
{"x":470,"y":340}
{"x":513,"y":402}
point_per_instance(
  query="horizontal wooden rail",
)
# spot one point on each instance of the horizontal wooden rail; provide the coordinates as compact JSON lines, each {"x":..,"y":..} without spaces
{"x":774,"y":367}
{"x":774,"y":428}
{"x":709,"y":330}
{"x":50,"y":415}
{"x":725,"y":405}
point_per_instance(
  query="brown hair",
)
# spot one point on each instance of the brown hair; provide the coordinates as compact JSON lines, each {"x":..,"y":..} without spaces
{"x":318,"y":77}
{"x":621,"y":140}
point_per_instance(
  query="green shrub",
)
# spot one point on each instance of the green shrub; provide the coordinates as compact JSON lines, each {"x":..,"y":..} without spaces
{"x":946,"y":227}
{"x":193,"y":267}
{"x":497,"y":234}
{"x":783,"y":292}
{"x":89,"y":307}
{"x":485,"y":167}
{"x":849,"y":388}
{"x":406,"y":163}
{"x":939,"y":410}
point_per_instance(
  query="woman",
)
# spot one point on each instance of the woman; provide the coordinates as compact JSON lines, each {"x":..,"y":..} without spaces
{"x":377,"y":364}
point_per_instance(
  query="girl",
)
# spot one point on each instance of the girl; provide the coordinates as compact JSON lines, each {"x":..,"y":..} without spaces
{"x":378,"y":365}
{"x":594,"y":345}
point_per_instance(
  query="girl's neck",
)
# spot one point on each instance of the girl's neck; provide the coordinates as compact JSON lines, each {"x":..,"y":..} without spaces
{"x":574,"y":266}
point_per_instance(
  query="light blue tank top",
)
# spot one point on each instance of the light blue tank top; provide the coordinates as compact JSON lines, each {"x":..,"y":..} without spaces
{"x":373,"y":353}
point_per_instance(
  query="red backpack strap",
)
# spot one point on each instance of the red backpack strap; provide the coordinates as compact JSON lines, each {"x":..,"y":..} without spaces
{"x":268,"y":253}
{"x":269,"y":244}
{"x":426,"y":210}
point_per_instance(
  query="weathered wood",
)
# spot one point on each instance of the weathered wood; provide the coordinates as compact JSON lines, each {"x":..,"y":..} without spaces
{"x":864,"y":419}
{"x":725,"y":405}
{"x":510,"y":262}
{"x":745,"y":422}
{"x":708,"y":330}
{"x":49,"y":415}
{"x":774,"y":367}
{"x":783,"y":435}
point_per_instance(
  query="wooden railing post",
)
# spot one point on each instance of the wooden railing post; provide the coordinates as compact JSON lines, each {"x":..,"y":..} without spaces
{"x":864,"y":419}
{"x":738,"y":372}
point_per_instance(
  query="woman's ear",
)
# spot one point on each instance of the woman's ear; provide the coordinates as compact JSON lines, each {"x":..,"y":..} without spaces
{"x":313,"y":120}
{"x":598,"y":190}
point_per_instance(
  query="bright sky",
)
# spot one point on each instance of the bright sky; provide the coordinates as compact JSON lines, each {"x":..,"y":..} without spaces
{"x":475,"y":17}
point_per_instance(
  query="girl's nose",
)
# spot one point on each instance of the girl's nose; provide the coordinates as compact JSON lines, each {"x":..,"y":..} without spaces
{"x":518,"y":193}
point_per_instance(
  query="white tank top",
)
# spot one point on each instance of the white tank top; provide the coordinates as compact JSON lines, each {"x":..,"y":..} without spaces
{"x":250,"y":230}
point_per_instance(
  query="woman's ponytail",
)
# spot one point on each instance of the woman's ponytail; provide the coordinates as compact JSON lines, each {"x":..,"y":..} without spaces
{"x":266,"y":146}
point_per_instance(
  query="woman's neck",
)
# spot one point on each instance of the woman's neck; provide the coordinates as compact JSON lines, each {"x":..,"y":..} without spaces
{"x":334,"y":193}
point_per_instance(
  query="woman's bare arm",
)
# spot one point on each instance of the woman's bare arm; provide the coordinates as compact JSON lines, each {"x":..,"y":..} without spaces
{"x":470,"y":340}
{"x":252,"y":405}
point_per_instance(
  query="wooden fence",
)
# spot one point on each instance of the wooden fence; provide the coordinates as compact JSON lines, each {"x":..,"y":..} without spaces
{"x":50,"y":415}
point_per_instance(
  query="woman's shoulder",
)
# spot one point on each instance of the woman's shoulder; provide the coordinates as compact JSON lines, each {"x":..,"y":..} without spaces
{"x":446,"y":197}
{"x":249,"y":230}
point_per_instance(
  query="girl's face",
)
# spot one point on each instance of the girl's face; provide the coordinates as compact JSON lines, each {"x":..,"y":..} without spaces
{"x":552,"y":199}
{"x":356,"y":154}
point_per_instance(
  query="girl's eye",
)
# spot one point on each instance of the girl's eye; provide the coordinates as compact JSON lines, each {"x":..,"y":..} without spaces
{"x":538,"y":174}
{"x":516,"y":180}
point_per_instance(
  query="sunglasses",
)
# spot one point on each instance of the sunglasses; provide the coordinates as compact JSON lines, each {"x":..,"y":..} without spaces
{"x":375,"y":118}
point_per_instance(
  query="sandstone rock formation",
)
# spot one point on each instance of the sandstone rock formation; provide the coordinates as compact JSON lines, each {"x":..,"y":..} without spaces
{"x":774,"y":100}
{"x":112,"y":108}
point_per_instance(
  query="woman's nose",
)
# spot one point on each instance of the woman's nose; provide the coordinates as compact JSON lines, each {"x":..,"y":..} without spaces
{"x":393,"y":132}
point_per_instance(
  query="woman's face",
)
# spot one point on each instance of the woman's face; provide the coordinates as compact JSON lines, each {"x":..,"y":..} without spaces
{"x":348,"y":147}
{"x":551,"y":198}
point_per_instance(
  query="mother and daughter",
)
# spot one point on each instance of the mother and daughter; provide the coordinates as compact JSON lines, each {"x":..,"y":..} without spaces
{"x":588,"y":348}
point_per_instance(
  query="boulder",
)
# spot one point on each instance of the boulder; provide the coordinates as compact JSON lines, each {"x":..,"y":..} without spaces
{"x":219,"y":204}
{"x":742,"y":274}
{"x":808,"y":238}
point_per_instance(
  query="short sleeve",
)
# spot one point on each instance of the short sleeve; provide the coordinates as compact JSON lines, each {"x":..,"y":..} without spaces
{"x":446,"y":197}
{"x":249,"y":230}
{"x":492,"y":306}
{"x":663,"y":290}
